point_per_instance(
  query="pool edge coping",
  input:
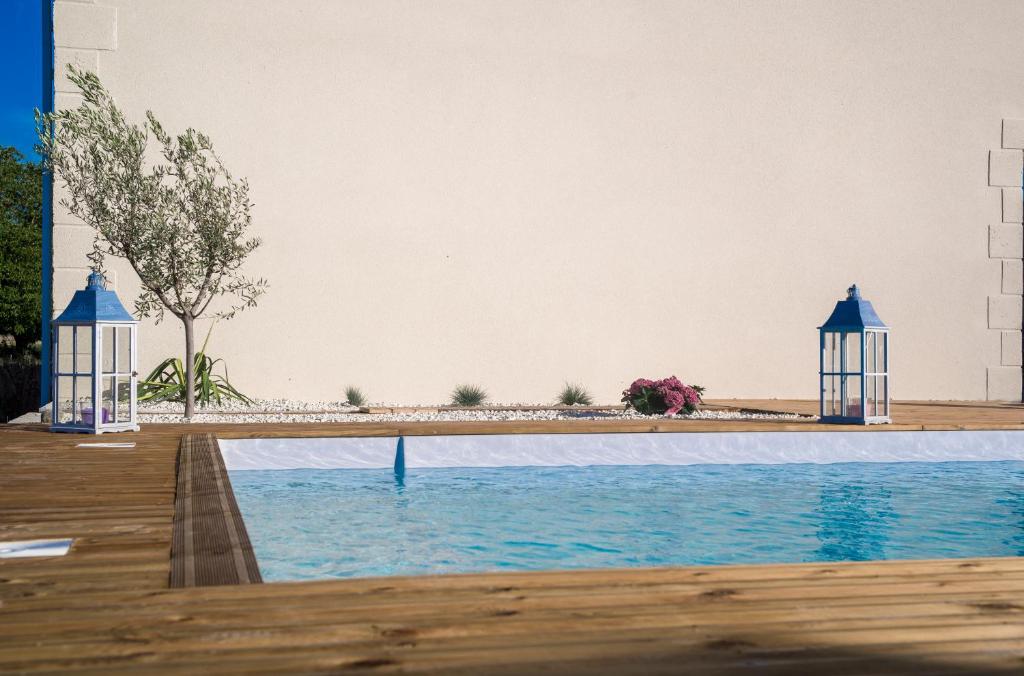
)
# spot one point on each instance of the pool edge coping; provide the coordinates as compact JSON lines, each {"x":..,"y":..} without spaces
{"x":209,"y":541}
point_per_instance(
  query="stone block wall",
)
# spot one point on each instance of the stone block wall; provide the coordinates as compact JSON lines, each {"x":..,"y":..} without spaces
{"x":83,"y":32}
{"x":1006,"y":245}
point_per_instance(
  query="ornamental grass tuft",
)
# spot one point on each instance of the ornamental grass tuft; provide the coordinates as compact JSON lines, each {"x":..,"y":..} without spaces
{"x":468,"y":395}
{"x":354,"y":396}
{"x":574,"y":394}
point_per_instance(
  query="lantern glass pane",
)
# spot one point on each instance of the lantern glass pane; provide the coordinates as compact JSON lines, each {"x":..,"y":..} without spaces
{"x":108,"y":349}
{"x":873,"y":394}
{"x":880,"y":347}
{"x":83,"y":350}
{"x":124,"y":349}
{"x":107,"y":393}
{"x":64,"y":404}
{"x":124,"y":399}
{"x":853,"y":406}
{"x":879,"y":393}
{"x":83,"y":400}
{"x":831,"y":395}
{"x":853,"y":352}
{"x":831,"y":354}
{"x":870,"y":397}
{"x":65,"y":349}
{"x":871,"y":364}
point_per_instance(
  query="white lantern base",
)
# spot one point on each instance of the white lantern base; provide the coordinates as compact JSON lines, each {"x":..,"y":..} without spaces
{"x":849,"y":420}
{"x":125,"y":427}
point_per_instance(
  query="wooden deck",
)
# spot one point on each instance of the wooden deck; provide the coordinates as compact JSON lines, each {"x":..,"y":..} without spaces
{"x":108,"y":606}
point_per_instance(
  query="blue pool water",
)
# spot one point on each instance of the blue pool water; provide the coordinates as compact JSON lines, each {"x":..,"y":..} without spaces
{"x":308,"y":524}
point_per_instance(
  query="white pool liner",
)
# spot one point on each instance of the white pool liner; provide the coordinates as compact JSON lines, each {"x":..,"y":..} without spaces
{"x":20,"y":549}
{"x":683,"y":448}
{"x":315,"y":453}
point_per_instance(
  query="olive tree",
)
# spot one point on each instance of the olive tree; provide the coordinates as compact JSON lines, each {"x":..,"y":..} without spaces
{"x":176,"y":215}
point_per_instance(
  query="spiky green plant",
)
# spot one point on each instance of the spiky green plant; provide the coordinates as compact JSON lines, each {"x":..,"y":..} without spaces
{"x":354,"y":396}
{"x":468,"y":395}
{"x":574,"y":394}
{"x":167,"y":381}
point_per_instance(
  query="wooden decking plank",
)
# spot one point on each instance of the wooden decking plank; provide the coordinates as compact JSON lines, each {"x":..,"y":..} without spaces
{"x":657,"y":647}
{"x":261,"y":615}
{"x":591,"y":586}
{"x":581,"y":661}
{"x":384,"y":590}
{"x":430,"y":622}
{"x":520,"y":630}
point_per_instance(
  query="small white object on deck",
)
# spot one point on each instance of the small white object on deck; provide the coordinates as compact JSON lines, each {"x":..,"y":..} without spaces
{"x":113,"y":444}
{"x":25,"y":548}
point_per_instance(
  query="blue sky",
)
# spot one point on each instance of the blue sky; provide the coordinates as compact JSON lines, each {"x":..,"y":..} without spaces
{"x":21,"y":88}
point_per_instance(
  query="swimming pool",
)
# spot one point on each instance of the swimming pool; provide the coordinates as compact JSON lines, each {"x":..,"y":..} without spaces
{"x":337,"y":523}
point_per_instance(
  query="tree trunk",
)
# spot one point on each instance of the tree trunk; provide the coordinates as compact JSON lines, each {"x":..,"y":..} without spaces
{"x":190,"y":360}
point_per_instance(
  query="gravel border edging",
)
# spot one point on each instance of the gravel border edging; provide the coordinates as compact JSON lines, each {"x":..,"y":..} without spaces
{"x":284,"y":411}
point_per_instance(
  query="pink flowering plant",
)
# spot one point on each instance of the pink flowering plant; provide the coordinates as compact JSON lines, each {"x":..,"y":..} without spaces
{"x":668,"y":396}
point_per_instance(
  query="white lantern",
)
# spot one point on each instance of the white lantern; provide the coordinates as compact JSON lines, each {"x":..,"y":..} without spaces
{"x":854,"y":364}
{"x":94,"y":363}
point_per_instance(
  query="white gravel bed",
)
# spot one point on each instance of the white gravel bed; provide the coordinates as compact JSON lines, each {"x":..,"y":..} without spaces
{"x":258,"y":406}
{"x":283,"y":411}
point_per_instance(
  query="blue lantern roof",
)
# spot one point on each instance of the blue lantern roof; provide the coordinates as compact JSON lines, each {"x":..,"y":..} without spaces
{"x":853,"y":314}
{"x":95,"y":303}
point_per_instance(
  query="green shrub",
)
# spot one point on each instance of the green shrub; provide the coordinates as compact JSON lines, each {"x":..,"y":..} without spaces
{"x":574,"y":394}
{"x":354,"y":396}
{"x":21,"y":211}
{"x":468,"y":395}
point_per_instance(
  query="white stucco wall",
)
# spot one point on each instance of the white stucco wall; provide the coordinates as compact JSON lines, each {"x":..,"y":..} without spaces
{"x":522,"y":193}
